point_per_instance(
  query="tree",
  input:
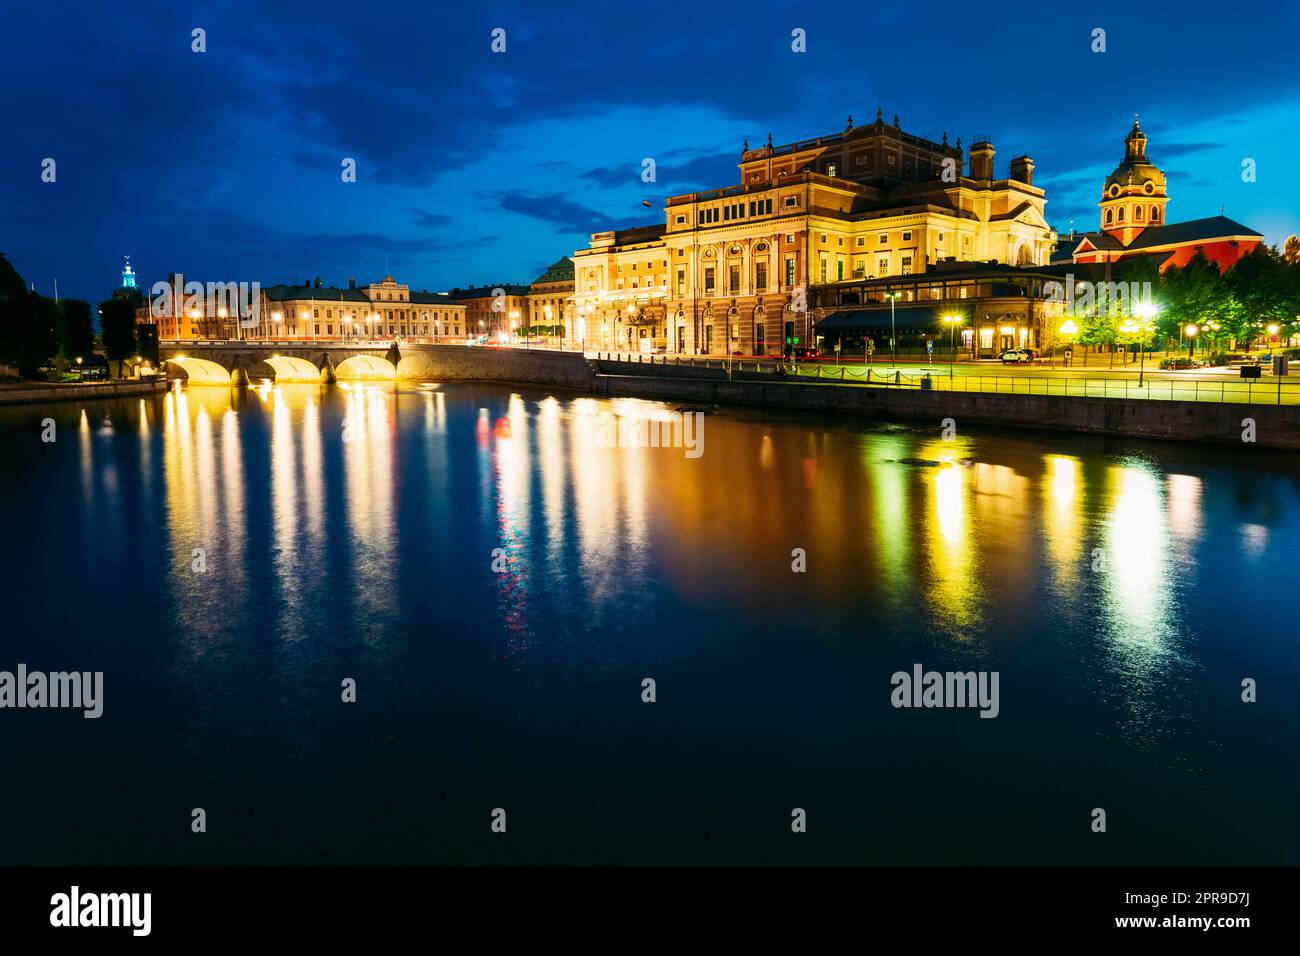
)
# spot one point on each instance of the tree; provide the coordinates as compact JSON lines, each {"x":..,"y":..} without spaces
{"x":117,"y":324}
{"x":29,"y":332}
{"x":1196,"y":295}
{"x":1291,"y":251}
{"x":78,"y":330}
{"x":1261,"y":292}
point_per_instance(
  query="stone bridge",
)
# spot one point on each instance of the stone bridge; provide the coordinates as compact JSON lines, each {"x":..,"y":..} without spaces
{"x":227,"y":363}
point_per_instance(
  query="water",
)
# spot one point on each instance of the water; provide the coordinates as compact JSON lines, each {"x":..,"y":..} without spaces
{"x":1121,"y":590}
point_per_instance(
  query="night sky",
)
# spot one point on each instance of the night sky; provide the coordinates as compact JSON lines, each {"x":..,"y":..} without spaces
{"x":475,"y":167}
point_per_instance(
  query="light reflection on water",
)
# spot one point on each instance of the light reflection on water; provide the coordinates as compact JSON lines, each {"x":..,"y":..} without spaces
{"x":351,"y":532}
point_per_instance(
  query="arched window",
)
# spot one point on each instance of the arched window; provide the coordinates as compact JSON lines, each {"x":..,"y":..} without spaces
{"x":1155,"y":213}
{"x":1120,"y":216}
{"x":1109,"y":217}
{"x":1137,"y":213}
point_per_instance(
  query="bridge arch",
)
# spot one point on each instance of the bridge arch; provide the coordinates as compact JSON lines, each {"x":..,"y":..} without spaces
{"x":288,"y":368}
{"x":200,"y":371}
{"x":365,"y":367}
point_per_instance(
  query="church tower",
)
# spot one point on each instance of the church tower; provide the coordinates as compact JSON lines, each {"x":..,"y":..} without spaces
{"x":1133,"y":198}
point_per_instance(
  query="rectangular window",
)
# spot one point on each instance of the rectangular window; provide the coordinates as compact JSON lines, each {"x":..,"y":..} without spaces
{"x":789,"y":239}
{"x":791,"y":201}
{"x":680,"y":220}
{"x":734,"y":279}
{"x":839,"y":271}
{"x":768,"y":208}
{"x":708,"y":281}
{"x":789,"y":270}
{"x":907,"y":237}
{"x":839,"y":241}
{"x":825,"y":267}
{"x":329,"y":329}
{"x":884,"y":238}
{"x":760,"y":277}
{"x":859,"y":269}
{"x":681,"y":281}
{"x":907,"y":265}
{"x":882,"y":266}
{"x":862,"y":241}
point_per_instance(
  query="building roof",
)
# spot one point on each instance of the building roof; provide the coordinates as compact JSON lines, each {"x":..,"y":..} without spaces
{"x":923,"y":318}
{"x":635,"y":234}
{"x":1197,"y":230}
{"x":559,"y":271}
{"x":295,"y":293}
{"x":486,"y":291}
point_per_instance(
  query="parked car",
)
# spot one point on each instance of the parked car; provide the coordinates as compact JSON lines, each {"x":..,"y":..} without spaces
{"x":1016,"y":355}
{"x":801,"y":354}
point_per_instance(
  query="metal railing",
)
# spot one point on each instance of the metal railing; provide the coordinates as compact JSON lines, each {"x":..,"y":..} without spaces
{"x":1174,"y":386}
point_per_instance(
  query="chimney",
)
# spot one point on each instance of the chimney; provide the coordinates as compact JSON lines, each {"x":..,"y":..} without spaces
{"x":981,"y":160}
{"x":352,"y":282}
{"x":1022,"y":170}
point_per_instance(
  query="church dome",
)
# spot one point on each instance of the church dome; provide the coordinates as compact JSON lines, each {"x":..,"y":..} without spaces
{"x":1134,"y":173}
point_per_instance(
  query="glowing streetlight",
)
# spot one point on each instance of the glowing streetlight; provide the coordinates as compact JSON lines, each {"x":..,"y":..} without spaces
{"x":952,"y":321}
{"x":893,"y":336}
{"x":1191,"y":331}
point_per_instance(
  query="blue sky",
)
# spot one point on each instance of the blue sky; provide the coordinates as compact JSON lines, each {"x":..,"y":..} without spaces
{"x":481,"y":167}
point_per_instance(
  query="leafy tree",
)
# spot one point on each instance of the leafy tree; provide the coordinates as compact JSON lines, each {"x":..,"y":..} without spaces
{"x":12,"y":285}
{"x":29,"y":332}
{"x":1291,"y":251}
{"x":78,"y":330}
{"x":117,"y":323}
{"x":1196,"y":295}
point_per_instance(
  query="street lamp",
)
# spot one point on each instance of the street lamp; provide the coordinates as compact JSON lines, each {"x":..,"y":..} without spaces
{"x":1190,"y":331}
{"x":514,"y":319}
{"x":893,"y":332}
{"x":952,"y":321}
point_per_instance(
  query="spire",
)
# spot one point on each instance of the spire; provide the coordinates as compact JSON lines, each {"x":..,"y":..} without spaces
{"x":769,"y":140}
{"x":744,"y":147}
{"x":945,"y":137}
{"x":879,"y":112}
{"x":850,"y":123}
{"x":895,"y":121}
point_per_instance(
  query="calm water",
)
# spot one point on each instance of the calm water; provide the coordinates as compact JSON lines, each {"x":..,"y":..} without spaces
{"x":370,"y":558}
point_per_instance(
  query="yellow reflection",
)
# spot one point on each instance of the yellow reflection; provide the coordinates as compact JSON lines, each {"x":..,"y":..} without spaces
{"x":1063,"y":518}
{"x":1135,"y":560}
{"x":951,"y":593}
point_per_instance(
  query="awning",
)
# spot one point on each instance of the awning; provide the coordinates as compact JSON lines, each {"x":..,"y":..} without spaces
{"x":912,"y":319}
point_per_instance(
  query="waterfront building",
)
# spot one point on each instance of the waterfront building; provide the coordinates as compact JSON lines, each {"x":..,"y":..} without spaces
{"x":549,"y":299}
{"x":385,"y":309}
{"x":1133,"y":221}
{"x":492,"y":310}
{"x":737,"y":270}
{"x":998,"y":306}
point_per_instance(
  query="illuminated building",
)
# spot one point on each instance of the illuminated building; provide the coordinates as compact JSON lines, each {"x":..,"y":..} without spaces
{"x":735,"y":270}
{"x":492,"y":310}
{"x":1133,"y":221}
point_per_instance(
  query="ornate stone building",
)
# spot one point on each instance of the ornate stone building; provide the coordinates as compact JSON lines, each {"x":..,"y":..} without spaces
{"x":549,"y":298}
{"x":734,"y":270}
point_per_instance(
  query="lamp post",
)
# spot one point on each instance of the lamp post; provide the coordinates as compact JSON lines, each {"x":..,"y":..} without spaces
{"x":1069,"y":329}
{"x":1146,"y":311}
{"x":952,"y":321}
{"x":514,"y":321}
{"x":893,"y":331}
{"x":1190,"y":331}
